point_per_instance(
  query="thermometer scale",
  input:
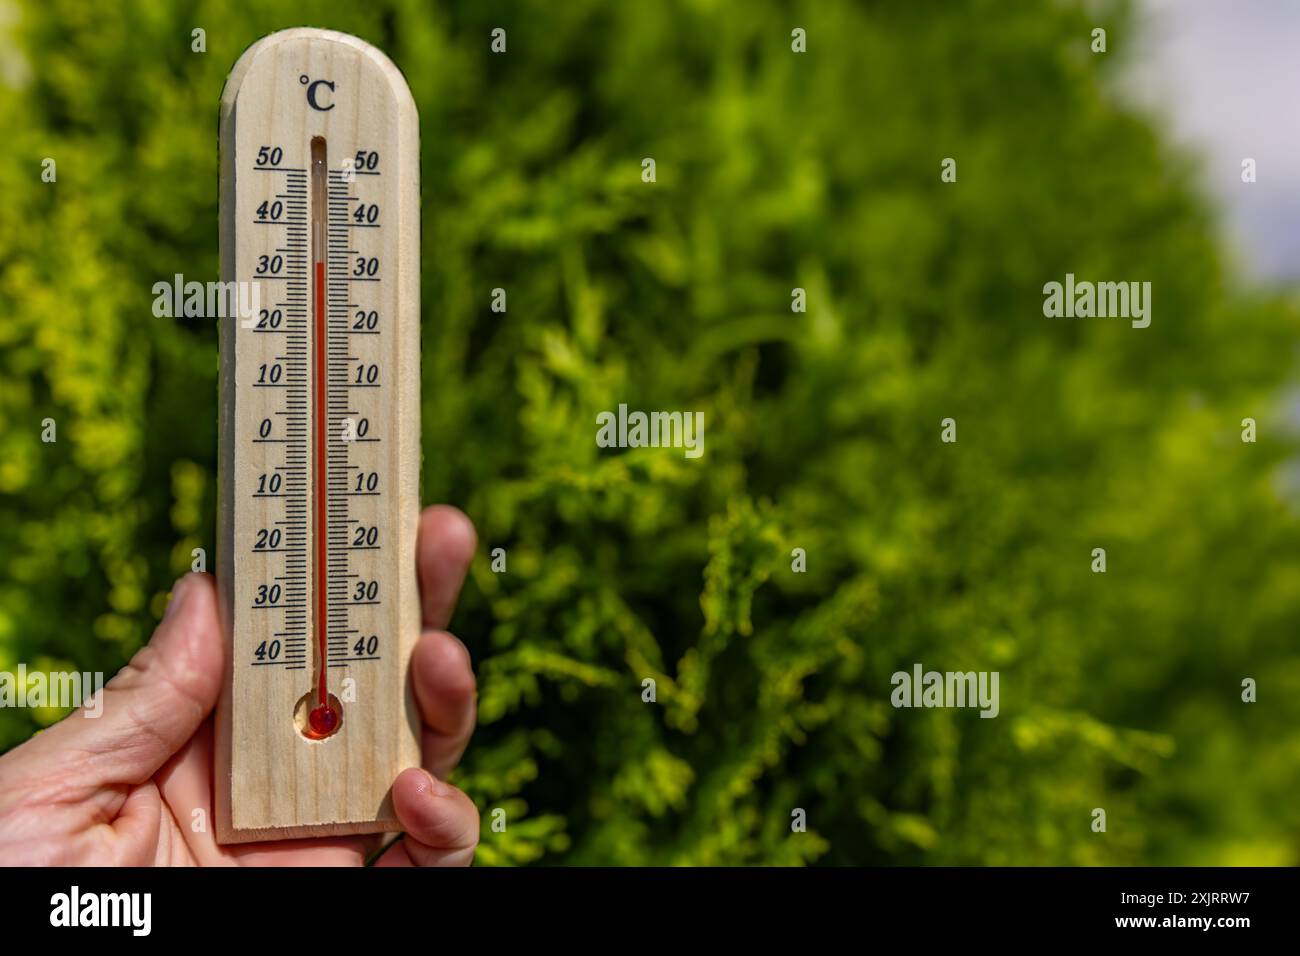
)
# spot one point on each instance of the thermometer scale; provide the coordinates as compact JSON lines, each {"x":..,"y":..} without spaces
{"x":320,"y":439}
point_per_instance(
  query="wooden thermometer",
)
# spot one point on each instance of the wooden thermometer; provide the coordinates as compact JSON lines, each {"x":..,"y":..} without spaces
{"x":320,"y":438}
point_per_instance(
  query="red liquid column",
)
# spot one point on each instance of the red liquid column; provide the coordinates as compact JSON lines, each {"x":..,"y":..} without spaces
{"x":323,"y":719}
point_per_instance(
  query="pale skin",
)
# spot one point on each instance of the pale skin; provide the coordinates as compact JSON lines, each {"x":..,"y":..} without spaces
{"x":121,"y":789}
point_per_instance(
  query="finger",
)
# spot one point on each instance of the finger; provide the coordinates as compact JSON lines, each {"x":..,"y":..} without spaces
{"x":312,"y":851}
{"x":153,"y":706}
{"x":441,"y":823}
{"x":141,"y":841}
{"x":185,"y":783}
{"x":445,"y":692}
{"x":446,"y":547}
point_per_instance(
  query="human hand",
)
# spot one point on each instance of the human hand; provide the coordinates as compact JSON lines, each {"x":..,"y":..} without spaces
{"x":120,"y":790}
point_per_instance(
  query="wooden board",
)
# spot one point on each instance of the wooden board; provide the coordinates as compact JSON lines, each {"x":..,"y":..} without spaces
{"x":279,"y":395}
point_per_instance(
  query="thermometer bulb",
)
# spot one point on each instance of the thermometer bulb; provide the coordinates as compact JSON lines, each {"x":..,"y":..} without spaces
{"x":322,"y":721}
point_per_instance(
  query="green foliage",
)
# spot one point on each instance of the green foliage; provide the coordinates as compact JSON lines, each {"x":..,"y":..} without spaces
{"x":775,"y":170}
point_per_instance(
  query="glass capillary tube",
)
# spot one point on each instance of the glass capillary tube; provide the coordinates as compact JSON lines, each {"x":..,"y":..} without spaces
{"x":323,"y":718}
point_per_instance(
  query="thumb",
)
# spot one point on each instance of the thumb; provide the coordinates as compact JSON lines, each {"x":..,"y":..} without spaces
{"x":154,"y":704}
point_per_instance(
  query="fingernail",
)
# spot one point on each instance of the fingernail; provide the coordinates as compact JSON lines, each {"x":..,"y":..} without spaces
{"x":179,"y":590}
{"x":469,"y":658}
{"x":436,"y":786}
